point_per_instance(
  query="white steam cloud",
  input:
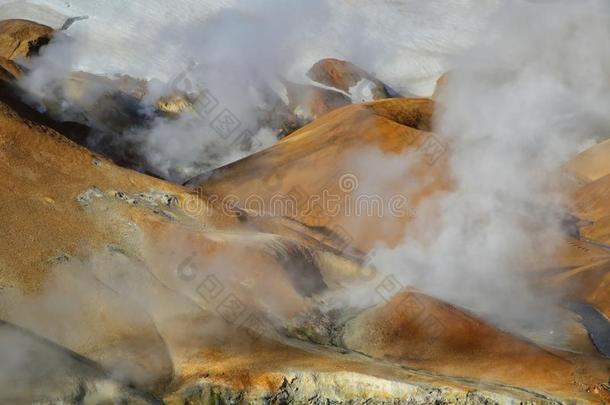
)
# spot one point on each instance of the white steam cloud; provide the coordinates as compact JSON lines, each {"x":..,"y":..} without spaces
{"x":239,"y":49}
{"x":516,"y":107}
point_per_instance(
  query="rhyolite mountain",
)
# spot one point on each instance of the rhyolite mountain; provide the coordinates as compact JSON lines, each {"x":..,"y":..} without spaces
{"x":120,"y":287}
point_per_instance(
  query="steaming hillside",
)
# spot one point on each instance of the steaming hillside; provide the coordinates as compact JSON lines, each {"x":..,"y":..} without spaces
{"x":196,"y":209}
{"x":137,"y":298}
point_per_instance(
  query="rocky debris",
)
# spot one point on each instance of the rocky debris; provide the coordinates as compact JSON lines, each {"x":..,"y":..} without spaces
{"x":22,"y":38}
{"x":321,"y":326}
{"x":85,"y":198}
{"x":350,"y":79}
{"x":153,"y":199}
{"x":323,"y":388}
{"x":175,"y":105}
{"x":159,"y":202}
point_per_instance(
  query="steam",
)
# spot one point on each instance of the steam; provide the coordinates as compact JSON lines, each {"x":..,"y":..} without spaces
{"x":516,"y":107}
{"x":522,"y":101}
{"x":235,"y":54}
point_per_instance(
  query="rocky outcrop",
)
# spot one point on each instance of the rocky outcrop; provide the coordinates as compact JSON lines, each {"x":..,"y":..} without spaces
{"x":345,"y":387}
{"x":175,"y":105}
{"x":19,"y":39}
{"x":22,"y":38}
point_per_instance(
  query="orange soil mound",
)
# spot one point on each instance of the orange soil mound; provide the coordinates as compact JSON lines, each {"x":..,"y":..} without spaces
{"x":415,"y":329}
{"x":326,"y":157}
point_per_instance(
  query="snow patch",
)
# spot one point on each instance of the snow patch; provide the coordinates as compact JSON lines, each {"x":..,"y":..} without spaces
{"x":362,"y":91}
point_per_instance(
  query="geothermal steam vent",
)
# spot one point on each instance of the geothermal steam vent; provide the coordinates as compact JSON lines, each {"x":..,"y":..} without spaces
{"x":304,"y":202}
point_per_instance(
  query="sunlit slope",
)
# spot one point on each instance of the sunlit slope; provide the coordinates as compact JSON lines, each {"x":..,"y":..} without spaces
{"x":327,"y":159}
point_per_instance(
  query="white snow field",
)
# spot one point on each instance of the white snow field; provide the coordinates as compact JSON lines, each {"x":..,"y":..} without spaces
{"x":405,"y":43}
{"x":238,"y":44}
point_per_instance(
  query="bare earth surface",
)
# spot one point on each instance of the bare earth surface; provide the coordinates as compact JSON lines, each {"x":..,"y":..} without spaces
{"x":122,"y":286}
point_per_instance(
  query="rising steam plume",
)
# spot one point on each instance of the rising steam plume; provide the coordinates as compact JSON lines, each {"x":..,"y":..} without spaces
{"x":240,"y":50}
{"x":530,"y":94}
